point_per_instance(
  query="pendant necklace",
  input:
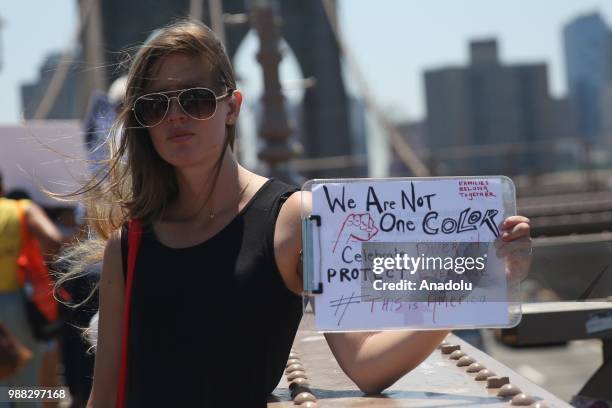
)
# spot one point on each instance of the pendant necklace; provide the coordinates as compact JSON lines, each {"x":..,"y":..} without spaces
{"x":212,"y":212}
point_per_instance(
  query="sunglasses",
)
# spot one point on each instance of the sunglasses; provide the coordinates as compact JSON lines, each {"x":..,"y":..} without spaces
{"x":197,"y":103}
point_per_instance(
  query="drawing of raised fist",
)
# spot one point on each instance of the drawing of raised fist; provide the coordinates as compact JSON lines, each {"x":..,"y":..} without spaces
{"x":356,"y":227}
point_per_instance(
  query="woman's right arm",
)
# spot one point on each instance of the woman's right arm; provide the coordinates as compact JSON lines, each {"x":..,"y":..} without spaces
{"x":108,"y":349}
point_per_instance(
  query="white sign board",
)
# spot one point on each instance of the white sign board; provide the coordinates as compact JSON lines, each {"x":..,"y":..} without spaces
{"x":409,"y":253}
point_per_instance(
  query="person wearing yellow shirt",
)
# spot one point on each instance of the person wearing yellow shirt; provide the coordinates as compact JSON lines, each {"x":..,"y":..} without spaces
{"x":12,"y":302}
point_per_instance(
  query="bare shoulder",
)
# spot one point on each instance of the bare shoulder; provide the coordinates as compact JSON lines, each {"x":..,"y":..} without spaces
{"x":112,"y":268}
{"x":43,"y":229}
{"x":291,"y":209}
{"x":113,"y":245}
{"x":289,"y":222}
{"x":31,"y":208}
{"x":35,"y":215}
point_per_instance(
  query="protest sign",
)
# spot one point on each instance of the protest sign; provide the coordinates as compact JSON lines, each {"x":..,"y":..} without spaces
{"x":409,"y":253}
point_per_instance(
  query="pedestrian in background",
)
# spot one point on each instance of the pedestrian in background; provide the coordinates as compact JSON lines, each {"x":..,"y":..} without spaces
{"x":12,"y":297}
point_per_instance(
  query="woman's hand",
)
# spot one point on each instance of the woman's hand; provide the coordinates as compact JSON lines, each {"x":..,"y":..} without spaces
{"x":514,"y":244}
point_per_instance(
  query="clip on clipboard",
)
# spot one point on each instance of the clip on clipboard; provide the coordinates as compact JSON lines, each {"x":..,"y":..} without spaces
{"x":311,"y":224}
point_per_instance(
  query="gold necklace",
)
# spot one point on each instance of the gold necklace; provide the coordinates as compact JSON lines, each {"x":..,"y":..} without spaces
{"x":212,"y":213}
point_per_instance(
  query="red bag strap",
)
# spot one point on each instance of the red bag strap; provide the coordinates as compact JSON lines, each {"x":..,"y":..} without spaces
{"x":25,"y":237}
{"x":134,"y":235}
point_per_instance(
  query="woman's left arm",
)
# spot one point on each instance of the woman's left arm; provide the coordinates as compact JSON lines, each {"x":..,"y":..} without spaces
{"x":376,"y":360}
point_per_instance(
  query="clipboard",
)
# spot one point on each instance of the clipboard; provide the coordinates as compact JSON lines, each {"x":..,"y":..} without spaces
{"x":408,"y":253}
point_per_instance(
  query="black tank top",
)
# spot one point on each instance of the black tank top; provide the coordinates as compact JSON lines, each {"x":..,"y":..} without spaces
{"x":212,"y":324}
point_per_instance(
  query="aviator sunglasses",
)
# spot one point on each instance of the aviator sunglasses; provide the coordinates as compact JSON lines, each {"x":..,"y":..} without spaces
{"x":197,"y":103}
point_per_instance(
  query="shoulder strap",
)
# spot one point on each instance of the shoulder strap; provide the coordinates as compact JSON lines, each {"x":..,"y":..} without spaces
{"x":281,"y":192}
{"x":134,"y":236}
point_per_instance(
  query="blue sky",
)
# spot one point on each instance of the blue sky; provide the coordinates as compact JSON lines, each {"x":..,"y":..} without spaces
{"x":392,"y":40}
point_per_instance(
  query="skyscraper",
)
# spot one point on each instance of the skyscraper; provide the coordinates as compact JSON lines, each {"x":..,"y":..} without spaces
{"x":487,"y":103}
{"x":66,"y":105}
{"x":588,"y":45}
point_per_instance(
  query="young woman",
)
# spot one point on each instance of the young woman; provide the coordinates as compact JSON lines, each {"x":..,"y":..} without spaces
{"x":216,"y":293}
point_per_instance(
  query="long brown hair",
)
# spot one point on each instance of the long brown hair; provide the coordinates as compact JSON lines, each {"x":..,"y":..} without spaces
{"x":135,"y":182}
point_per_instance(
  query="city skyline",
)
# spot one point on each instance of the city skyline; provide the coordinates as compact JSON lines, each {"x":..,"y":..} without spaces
{"x":398,"y":86}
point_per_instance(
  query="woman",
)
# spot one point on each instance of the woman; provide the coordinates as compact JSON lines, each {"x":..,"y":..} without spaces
{"x":216,"y":293}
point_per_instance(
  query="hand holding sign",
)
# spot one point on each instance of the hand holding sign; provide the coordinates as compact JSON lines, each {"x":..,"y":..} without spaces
{"x":515,"y":246}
